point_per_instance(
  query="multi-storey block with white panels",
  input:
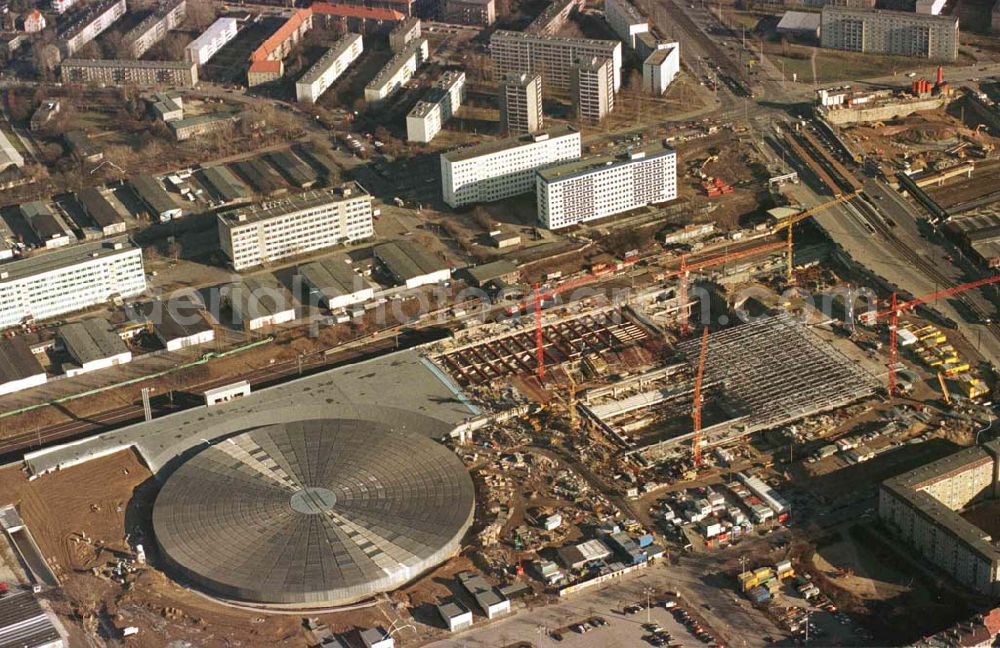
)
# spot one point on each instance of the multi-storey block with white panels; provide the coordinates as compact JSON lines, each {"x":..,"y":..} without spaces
{"x":504,"y":168}
{"x":429,"y":115}
{"x":553,"y":57}
{"x":598,"y":187}
{"x":253,"y":235}
{"x":328,"y":68}
{"x":70,"y":279}
{"x":203,"y":48}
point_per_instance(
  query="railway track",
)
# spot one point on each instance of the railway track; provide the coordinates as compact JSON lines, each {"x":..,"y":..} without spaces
{"x":905,"y":252}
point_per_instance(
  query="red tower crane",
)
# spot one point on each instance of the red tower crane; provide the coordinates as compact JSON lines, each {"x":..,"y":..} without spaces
{"x":895,"y":308}
{"x":696,"y":400}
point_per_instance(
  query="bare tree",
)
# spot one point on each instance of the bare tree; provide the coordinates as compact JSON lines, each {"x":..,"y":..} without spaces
{"x":200,"y":14}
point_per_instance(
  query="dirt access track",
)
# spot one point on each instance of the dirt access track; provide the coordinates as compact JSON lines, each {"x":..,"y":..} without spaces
{"x":105,"y":499}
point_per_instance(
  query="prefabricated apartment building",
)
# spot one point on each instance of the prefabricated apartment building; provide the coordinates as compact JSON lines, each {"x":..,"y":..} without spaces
{"x":256,"y":234}
{"x":328,"y":68}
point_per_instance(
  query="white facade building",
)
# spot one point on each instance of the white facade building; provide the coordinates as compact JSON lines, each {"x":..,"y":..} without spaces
{"x":62,"y":6}
{"x":255,"y":234}
{"x":599,"y":187}
{"x":99,"y":17}
{"x":397,"y":71}
{"x":430,"y":114}
{"x":660,"y":68}
{"x":505,"y":168}
{"x":553,"y":57}
{"x":625,"y":20}
{"x":203,"y":48}
{"x":70,"y":279}
{"x":328,"y":68}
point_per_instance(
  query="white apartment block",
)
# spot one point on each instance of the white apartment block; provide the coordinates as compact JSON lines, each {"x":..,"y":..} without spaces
{"x":88,"y":26}
{"x":593,"y":89}
{"x":898,"y":33}
{"x":397,"y":71}
{"x":203,"y":48}
{"x":553,"y":57}
{"x":625,"y":20}
{"x":404,"y":33}
{"x":69,"y":279}
{"x":62,"y":6}
{"x":594,"y":188}
{"x":661,"y":68}
{"x":428,"y":116}
{"x":257,"y":234}
{"x":521,"y":104}
{"x":328,"y":68}
{"x":168,"y":16}
{"x":505,"y":168}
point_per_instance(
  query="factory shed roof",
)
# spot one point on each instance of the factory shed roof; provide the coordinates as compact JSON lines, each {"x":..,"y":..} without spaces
{"x":261,"y":295}
{"x":153,"y":194}
{"x":226,"y":185}
{"x":407,"y":260}
{"x":98,"y":207}
{"x":485,"y":594}
{"x":487,"y":272}
{"x":332,"y":279}
{"x":91,"y":339}
{"x":16,"y":360}
{"x":9,"y":155}
{"x":23,"y":622}
{"x":173,"y":319}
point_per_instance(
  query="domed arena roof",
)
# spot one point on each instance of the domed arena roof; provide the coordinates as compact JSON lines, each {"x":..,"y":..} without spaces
{"x":313,"y":513}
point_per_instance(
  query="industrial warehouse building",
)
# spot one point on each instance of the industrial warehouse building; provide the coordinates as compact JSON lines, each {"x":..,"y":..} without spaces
{"x":178,"y":323}
{"x":504,"y":168}
{"x":24,"y":623}
{"x":117,"y":72}
{"x":108,"y":221}
{"x":93,"y":344}
{"x":255,"y":234}
{"x":625,"y":20}
{"x":19,"y":368}
{"x":411,"y":265}
{"x":427,"y":117}
{"x":259,"y":301}
{"x":328,"y":68}
{"x":334,"y":284}
{"x":69,"y":279}
{"x":397,"y":71}
{"x":521,"y":104}
{"x":594,"y":188}
{"x":156,"y":199}
{"x":9,"y":155}
{"x":202,"y":49}
{"x":553,"y":57}
{"x":923,"y":507}
{"x":899,"y":33}
{"x":487,"y":597}
{"x":51,"y":230}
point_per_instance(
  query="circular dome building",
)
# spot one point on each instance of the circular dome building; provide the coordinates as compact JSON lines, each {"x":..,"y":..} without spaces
{"x":313,"y":513}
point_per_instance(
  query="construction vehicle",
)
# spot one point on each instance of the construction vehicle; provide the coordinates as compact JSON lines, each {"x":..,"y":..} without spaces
{"x":895,"y":308}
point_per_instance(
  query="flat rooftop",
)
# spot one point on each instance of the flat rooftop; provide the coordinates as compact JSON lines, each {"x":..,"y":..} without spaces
{"x":586,"y":166}
{"x":65,"y":257}
{"x":412,"y":49}
{"x":274,"y":208}
{"x":607,"y":45}
{"x":423,"y":401}
{"x":885,"y":13}
{"x":658,"y":56}
{"x":127,"y":63}
{"x":496,"y":146}
{"x":329,"y":56}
